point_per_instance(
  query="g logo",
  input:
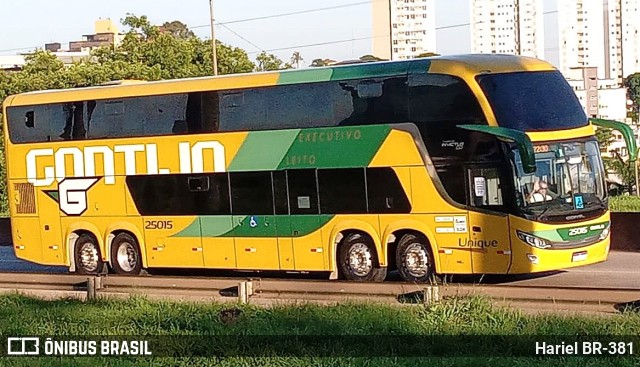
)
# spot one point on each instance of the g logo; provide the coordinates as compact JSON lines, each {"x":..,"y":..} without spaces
{"x":73,"y":194}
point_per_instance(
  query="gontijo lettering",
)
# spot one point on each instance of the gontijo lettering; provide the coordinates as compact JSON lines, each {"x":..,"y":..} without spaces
{"x":84,"y":161}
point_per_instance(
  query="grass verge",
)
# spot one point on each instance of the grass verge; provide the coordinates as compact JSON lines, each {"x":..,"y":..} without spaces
{"x":624,"y":203}
{"x":348,"y":324}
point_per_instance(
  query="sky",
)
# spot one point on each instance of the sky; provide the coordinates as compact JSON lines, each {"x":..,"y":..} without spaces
{"x":340,"y":32}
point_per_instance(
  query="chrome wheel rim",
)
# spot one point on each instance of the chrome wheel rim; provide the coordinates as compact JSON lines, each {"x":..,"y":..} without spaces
{"x":360,"y":261}
{"x":127,"y":257}
{"x":416,"y":260}
{"x":89,"y":257}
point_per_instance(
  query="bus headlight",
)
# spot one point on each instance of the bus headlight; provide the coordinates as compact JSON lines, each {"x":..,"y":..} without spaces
{"x":532,"y":240}
{"x":605,"y":233}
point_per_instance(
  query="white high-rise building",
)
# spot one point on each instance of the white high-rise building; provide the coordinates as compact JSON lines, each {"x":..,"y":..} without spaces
{"x":601,"y":34}
{"x":507,"y":26}
{"x":630,"y":31}
{"x":403,"y":29}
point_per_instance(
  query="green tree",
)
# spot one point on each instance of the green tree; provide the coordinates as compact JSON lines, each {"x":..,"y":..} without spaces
{"x":322,"y":62}
{"x":624,"y":170}
{"x":605,"y":137}
{"x":371,"y":58}
{"x":149,"y":54}
{"x":427,"y":54}
{"x":268,"y":62}
{"x":296,"y":59}
{"x":145,"y":54}
{"x":632,"y":82}
{"x":177,"y":29}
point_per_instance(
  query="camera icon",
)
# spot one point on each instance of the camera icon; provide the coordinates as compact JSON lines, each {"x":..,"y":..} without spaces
{"x":23,"y":346}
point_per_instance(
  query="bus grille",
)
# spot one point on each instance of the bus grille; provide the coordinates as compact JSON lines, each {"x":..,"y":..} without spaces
{"x":27,"y":204}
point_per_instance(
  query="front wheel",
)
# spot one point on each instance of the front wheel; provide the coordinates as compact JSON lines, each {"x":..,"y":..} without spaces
{"x":414,"y":260}
{"x":87,"y":255}
{"x":125,"y":255}
{"x":358,"y":260}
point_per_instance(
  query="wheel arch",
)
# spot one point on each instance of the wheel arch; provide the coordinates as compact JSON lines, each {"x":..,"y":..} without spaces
{"x":125,"y":227}
{"x":74,"y":231}
{"x":394,"y":231}
{"x":337,"y":234}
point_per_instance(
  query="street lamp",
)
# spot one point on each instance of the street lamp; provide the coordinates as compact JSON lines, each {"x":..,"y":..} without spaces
{"x":213,"y":41}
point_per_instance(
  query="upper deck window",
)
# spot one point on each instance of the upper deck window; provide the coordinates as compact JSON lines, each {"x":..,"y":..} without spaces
{"x":434,"y":102}
{"x":533,"y":101}
{"x":114,"y":118}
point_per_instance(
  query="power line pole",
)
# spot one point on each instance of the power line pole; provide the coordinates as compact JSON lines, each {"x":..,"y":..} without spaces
{"x":213,"y":41}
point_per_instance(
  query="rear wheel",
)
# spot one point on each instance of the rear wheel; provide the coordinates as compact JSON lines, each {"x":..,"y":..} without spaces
{"x":125,"y":255}
{"x":414,"y":259}
{"x":358,"y":259}
{"x":87,"y":255}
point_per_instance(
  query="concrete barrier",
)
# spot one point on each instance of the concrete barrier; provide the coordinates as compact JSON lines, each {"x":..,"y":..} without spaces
{"x":5,"y":232}
{"x":625,"y":232}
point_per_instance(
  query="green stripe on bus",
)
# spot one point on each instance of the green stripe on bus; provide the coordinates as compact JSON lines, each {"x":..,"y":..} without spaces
{"x":263,"y":150}
{"x":216,"y":226}
{"x":207,"y":226}
{"x":303,"y":224}
{"x":305,"y":76}
{"x":376,"y":70}
{"x":224,"y":226}
{"x":335,"y":147}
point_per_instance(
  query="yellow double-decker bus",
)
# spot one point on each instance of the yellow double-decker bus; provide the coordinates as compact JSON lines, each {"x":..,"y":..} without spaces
{"x":446,"y":165}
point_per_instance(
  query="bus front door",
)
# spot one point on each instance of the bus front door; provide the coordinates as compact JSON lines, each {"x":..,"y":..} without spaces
{"x":488,"y":240}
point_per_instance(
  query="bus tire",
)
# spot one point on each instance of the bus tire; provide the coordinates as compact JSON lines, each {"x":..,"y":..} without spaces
{"x":414,"y":259}
{"x":125,"y":255}
{"x":358,"y":259}
{"x":86,"y":254}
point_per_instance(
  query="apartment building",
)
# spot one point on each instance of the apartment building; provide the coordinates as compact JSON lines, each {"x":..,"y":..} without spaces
{"x":507,"y":26}
{"x":601,"y":34}
{"x":403,"y":29}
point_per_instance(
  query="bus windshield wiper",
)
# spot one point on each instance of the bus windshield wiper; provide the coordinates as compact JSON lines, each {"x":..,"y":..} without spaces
{"x":544,"y":211}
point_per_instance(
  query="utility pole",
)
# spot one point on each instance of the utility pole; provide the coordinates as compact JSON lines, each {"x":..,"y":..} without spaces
{"x":213,"y":41}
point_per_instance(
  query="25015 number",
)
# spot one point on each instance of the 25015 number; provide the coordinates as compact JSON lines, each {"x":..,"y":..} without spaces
{"x":158,"y":224}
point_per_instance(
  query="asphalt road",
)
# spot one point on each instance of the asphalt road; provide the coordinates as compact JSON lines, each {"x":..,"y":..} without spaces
{"x":619,"y":271}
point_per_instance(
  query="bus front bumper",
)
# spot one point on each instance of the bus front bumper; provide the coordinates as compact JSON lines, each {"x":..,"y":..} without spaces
{"x":527,"y":259}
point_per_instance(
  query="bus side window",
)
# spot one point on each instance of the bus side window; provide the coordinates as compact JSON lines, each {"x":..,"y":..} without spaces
{"x":385,"y":193}
{"x":280,"y":192}
{"x":251,"y":193}
{"x":452,"y":178}
{"x":342,"y":191}
{"x":74,"y":117}
{"x":437,"y":98}
{"x":303,"y":193}
{"x":202,"y":114}
{"x":485,"y":187}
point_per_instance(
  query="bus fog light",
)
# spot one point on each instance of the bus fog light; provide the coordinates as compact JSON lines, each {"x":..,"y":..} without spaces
{"x":532,"y":258}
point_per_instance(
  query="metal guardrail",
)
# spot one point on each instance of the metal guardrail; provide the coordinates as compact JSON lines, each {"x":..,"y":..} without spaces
{"x":269,"y":292}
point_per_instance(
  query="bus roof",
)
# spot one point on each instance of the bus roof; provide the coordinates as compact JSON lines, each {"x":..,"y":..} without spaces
{"x":470,"y":64}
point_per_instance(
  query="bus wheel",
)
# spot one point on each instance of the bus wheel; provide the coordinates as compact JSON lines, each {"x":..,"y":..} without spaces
{"x":414,"y":260}
{"x":87,"y":255}
{"x":125,"y":255}
{"x":358,"y":260}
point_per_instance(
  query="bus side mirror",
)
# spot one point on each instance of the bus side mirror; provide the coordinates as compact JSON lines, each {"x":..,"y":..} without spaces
{"x":524,"y":144}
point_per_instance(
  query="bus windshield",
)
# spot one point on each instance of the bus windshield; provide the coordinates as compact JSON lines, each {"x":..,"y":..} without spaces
{"x":533,"y":101}
{"x":568,"y":179}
